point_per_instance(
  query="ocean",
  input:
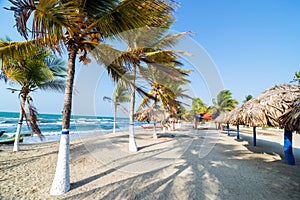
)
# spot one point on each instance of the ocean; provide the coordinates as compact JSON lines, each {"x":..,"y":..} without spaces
{"x":50,"y":126}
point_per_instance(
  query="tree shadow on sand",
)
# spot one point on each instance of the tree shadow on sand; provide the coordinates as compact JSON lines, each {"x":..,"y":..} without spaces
{"x":229,"y":171}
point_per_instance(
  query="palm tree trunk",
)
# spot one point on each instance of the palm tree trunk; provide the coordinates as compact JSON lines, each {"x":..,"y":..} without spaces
{"x":154,"y":133}
{"x":61,"y":182}
{"x":132,"y":143}
{"x":18,"y":132}
{"x":115,"y":117}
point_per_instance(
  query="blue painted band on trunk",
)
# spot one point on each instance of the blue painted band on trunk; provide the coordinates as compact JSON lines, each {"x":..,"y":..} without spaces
{"x":288,"y":147}
{"x":20,"y":123}
{"x":65,"y":132}
{"x":131,"y":124}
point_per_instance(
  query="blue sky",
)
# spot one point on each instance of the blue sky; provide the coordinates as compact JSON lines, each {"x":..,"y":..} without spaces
{"x":255,"y":44}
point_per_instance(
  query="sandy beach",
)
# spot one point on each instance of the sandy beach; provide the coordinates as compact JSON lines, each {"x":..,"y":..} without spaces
{"x":181,"y":164}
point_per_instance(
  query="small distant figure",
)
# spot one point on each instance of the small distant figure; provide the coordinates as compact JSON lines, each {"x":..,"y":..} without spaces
{"x":1,"y":133}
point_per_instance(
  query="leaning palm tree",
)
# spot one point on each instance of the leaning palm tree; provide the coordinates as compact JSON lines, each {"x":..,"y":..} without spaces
{"x":121,"y":95}
{"x":39,"y":70}
{"x":80,"y":26}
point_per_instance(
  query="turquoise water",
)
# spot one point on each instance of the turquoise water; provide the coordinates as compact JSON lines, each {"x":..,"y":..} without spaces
{"x":50,"y":125}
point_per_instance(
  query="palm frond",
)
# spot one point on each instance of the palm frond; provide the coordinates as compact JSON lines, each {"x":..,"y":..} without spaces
{"x":56,"y":65}
{"x":22,"y":10}
{"x":33,"y":120}
{"x":170,"y":40}
{"x":54,"y":85}
{"x":132,"y":14}
{"x":15,"y":50}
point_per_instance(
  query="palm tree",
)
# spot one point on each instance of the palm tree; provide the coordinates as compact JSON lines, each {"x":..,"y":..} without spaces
{"x":198,"y":106}
{"x":39,"y":70}
{"x":297,"y":77}
{"x":224,"y":102}
{"x":247,"y":98}
{"x":121,"y":95}
{"x":146,"y":47}
{"x":81,"y":26}
{"x":164,"y":89}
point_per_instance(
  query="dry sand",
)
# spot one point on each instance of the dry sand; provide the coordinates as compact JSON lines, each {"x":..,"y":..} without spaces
{"x":184,"y":164}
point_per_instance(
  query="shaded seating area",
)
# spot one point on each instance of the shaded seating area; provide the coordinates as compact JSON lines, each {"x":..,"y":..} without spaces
{"x":278,"y":106}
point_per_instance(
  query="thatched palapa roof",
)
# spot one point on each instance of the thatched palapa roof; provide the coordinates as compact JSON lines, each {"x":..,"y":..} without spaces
{"x":252,"y":114}
{"x":221,"y":118}
{"x":291,"y":118}
{"x":155,"y":114}
{"x":232,"y":117}
{"x":266,"y":109}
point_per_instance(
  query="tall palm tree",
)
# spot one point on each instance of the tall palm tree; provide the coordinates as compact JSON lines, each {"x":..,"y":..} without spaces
{"x":146,"y":47}
{"x":224,"y":102}
{"x":39,"y":70}
{"x":80,"y":26}
{"x":121,"y":95}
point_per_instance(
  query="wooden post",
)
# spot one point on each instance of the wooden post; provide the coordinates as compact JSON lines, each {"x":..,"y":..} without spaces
{"x":288,"y":148}
{"x":254,"y":135}
{"x":237,"y":132}
{"x":228,"y":129}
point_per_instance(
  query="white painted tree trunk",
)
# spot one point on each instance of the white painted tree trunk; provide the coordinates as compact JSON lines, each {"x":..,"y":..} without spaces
{"x":17,"y":137}
{"x":61,"y":182}
{"x":115,"y":117}
{"x":154,"y":133}
{"x":19,"y":127}
{"x":132,"y":143}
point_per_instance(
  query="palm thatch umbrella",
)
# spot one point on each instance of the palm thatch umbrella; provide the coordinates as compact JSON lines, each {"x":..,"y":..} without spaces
{"x":266,"y":110}
{"x":221,"y":119}
{"x":278,"y":100}
{"x":154,"y":114}
{"x":232,"y":118}
{"x":252,"y":114}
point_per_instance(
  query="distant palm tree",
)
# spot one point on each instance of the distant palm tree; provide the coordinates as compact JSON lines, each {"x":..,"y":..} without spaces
{"x":121,"y":95}
{"x":223,"y":103}
{"x":164,"y":90}
{"x":198,"y":106}
{"x":80,"y":27}
{"x":247,"y":98}
{"x":39,"y":70}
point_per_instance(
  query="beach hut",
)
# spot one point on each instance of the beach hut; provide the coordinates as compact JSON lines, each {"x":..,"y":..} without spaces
{"x":152,"y":114}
